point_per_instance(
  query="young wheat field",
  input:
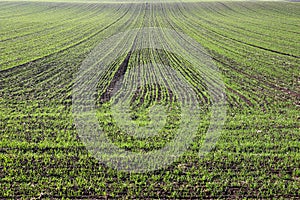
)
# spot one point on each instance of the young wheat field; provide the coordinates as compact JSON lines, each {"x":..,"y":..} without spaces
{"x":149,"y":99}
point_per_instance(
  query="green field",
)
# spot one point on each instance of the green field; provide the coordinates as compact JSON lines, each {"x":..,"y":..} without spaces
{"x":255,"y":46}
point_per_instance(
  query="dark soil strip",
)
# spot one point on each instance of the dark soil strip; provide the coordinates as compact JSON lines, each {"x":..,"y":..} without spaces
{"x":106,"y":96}
{"x":267,"y":49}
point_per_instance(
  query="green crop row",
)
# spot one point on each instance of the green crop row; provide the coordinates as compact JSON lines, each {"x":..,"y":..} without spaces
{"x":43,"y":46}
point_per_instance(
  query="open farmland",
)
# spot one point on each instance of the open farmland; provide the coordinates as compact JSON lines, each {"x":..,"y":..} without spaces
{"x":254,"y":45}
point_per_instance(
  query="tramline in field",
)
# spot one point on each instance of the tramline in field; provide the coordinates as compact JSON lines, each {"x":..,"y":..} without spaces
{"x":138,"y":81}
